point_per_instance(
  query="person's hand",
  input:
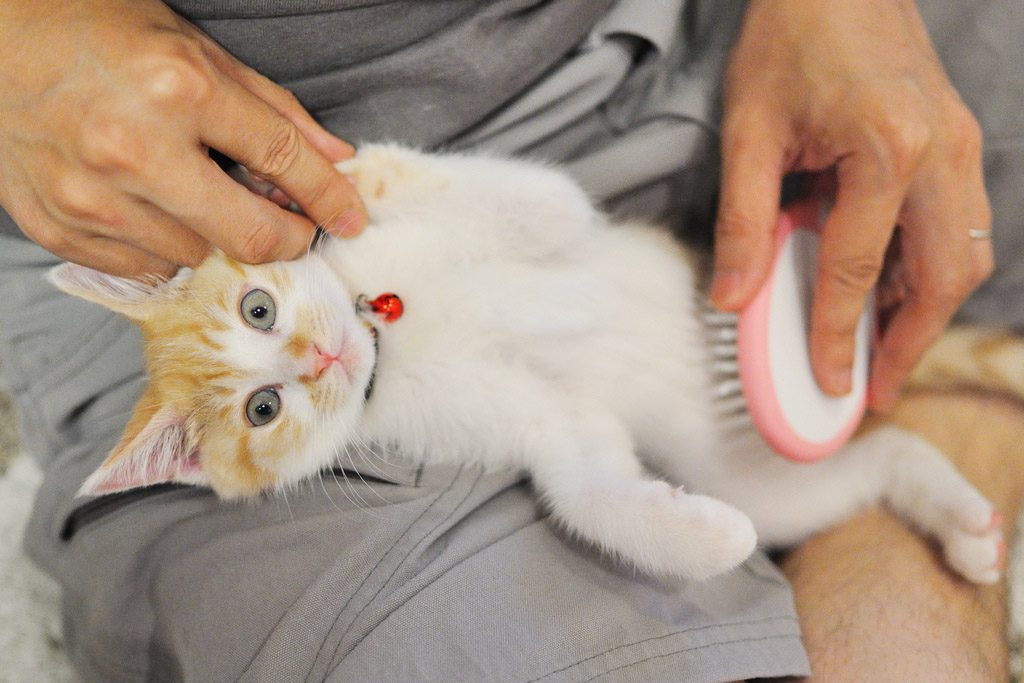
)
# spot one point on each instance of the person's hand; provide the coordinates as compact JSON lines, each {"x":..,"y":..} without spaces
{"x":107,"y":112}
{"x":856,"y":86}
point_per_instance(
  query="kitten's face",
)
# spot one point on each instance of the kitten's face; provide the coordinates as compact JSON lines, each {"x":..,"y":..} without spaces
{"x":261,"y":369}
{"x":283,"y":372}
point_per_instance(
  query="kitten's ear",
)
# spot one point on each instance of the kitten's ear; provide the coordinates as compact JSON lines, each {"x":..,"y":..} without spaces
{"x":155,"y":449}
{"x":133,"y":298}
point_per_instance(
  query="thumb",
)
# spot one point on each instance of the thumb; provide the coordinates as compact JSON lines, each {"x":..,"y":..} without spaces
{"x":748,"y":209}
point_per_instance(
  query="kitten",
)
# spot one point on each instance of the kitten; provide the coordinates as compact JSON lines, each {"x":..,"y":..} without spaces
{"x":534,"y":335}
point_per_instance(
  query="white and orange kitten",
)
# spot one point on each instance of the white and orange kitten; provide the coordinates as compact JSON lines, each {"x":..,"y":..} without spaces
{"x":535,"y":336}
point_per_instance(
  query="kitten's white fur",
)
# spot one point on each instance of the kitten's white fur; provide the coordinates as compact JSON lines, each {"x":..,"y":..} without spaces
{"x":538,"y":336}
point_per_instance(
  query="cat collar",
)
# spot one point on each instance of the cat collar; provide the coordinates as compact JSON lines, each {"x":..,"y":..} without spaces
{"x":389,"y":308}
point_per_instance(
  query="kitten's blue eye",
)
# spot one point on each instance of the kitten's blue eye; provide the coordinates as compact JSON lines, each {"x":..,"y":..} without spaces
{"x":258,"y":309}
{"x":263,"y":406}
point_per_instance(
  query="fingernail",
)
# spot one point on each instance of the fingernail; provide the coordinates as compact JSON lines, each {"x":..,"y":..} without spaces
{"x":343,"y":150}
{"x":346,"y":148}
{"x":725,"y":287}
{"x":841,"y":381}
{"x":333,"y":147}
{"x":997,"y":520}
{"x":348,"y":224}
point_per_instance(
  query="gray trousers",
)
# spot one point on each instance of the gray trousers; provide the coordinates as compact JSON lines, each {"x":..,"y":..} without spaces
{"x":441,"y":573}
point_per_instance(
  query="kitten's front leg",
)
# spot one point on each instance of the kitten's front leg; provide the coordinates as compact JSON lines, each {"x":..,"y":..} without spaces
{"x":392,"y":179}
{"x":496,"y":206}
{"x":593,"y":483}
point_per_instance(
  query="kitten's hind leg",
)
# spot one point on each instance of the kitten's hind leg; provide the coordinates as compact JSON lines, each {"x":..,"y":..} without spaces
{"x":790,"y":501}
{"x":928,"y":491}
{"x":595,"y":487}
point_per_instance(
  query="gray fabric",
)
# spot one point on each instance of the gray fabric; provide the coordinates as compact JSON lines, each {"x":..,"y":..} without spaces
{"x":980,"y":46}
{"x":633,"y":116}
{"x":405,"y":70}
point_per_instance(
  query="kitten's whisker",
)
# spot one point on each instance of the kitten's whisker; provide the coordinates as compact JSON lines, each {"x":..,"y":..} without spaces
{"x":346,"y":494}
{"x":320,"y":477}
{"x":316,"y":240}
{"x":355,"y":497}
{"x":343,"y":454}
{"x":367,"y":453}
{"x":375,"y":470}
{"x":362,"y":502}
{"x":380,"y":474}
{"x":320,"y":235}
{"x":284,"y":497}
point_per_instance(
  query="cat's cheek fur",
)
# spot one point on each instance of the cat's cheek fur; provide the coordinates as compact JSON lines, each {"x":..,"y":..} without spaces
{"x":241,"y":461}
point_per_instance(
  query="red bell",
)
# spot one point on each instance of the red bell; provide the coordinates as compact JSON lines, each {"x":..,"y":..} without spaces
{"x":388,"y":306}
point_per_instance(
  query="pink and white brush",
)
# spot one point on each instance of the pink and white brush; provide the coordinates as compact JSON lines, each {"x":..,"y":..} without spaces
{"x":786,"y":405}
{"x":772,"y":351}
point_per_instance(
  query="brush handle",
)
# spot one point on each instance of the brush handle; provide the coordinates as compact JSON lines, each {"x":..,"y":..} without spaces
{"x":786,"y":405}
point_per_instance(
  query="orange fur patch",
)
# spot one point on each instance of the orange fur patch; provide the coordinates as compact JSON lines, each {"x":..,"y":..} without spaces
{"x":145,"y":409}
{"x":244,"y":460}
{"x":298,"y":346}
{"x":280,"y":279}
{"x":236,"y":266}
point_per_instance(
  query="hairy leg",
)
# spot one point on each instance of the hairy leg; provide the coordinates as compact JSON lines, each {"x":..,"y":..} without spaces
{"x":875,"y":599}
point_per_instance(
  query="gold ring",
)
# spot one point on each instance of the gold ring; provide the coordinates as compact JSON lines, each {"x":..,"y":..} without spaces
{"x":980,"y":234}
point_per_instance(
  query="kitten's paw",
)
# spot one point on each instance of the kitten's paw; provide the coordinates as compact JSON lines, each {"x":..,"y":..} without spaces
{"x":972,"y":538}
{"x":726,"y":536}
{"x":937,"y":499}
{"x":667,"y":532}
{"x":383,"y":173}
{"x":977,"y":557}
{"x":975,"y":514}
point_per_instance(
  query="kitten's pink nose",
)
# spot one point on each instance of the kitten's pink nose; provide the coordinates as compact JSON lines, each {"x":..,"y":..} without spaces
{"x":322,"y":361}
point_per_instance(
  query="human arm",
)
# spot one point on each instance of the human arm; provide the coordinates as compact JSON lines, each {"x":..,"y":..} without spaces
{"x":855,"y":86}
{"x":107,"y":115}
